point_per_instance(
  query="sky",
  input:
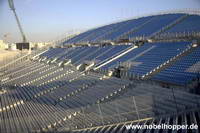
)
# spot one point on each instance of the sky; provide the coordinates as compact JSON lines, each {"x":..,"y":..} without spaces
{"x":47,"y":20}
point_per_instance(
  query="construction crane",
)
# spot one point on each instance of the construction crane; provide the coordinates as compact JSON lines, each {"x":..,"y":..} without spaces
{"x":12,"y":7}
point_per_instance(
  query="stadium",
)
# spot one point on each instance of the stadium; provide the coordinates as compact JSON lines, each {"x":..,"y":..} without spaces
{"x":141,"y":71}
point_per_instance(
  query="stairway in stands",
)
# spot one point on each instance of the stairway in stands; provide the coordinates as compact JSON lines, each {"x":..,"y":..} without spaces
{"x":182,"y":18}
{"x":102,"y":37}
{"x":170,"y":62}
{"x":125,"y":35}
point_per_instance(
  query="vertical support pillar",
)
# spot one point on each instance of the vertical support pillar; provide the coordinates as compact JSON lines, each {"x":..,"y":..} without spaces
{"x":101,"y":115}
{"x":136,"y":109}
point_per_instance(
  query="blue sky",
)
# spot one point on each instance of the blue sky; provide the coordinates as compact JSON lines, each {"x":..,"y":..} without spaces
{"x":45,"y":20}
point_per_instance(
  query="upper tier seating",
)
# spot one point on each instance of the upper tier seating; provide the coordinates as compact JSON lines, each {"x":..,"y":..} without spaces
{"x":140,"y":27}
{"x":190,"y":24}
{"x":130,"y":25}
{"x":157,"y":23}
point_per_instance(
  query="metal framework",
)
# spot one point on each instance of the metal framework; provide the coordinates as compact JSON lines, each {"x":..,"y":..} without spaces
{"x":12,"y":7}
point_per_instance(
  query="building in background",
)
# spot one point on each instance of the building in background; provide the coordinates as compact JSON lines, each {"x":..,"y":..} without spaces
{"x":3,"y":45}
{"x":38,"y":45}
{"x":12,"y":46}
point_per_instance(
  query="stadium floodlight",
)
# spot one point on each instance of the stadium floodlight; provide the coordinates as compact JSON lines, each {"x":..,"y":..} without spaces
{"x":12,"y":7}
{"x":11,"y":4}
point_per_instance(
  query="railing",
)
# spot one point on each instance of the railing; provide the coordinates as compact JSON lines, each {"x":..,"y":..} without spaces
{"x":115,"y":56}
{"x":133,"y":108}
{"x":6,"y":60}
{"x":23,"y":56}
{"x":15,"y":62}
{"x":178,"y":35}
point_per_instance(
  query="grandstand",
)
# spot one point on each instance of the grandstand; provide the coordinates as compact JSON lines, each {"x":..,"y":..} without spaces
{"x":142,"y":71}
